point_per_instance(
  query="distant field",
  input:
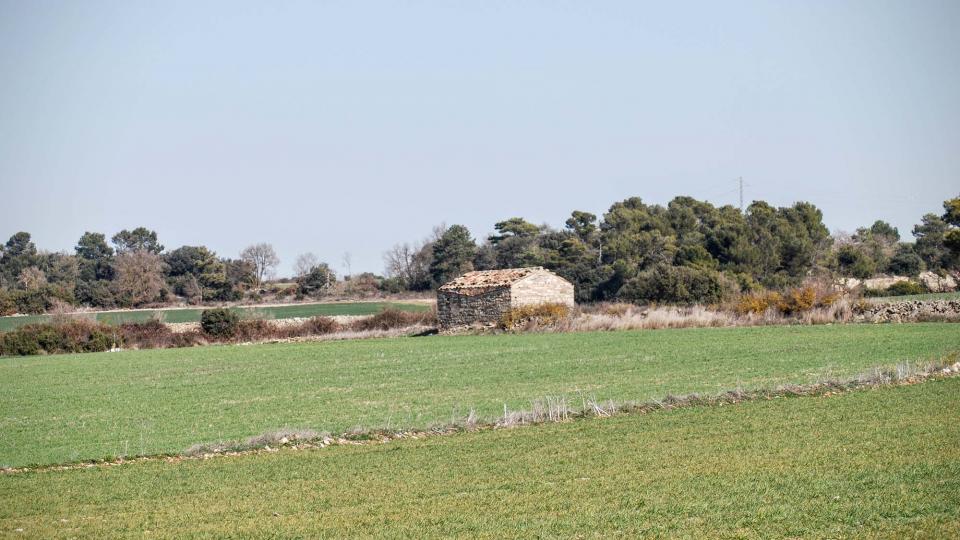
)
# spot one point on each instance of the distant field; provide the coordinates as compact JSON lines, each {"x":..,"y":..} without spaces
{"x":929,"y":296}
{"x":193,"y":314}
{"x":70,"y":407}
{"x":877,"y":463}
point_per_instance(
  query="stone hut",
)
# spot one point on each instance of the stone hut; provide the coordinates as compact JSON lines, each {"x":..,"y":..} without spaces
{"x":483,"y":297}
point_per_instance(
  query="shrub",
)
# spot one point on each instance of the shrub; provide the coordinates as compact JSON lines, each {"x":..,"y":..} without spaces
{"x":319,"y":325}
{"x":678,"y":285}
{"x":32,"y":302}
{"x":905,"y":261}
{"x":7,"y":305}
{"x":852,"y":260}
{"x":391,"y":318}
{"x":289,"y":291}
{"x":62,"y":336}
{"x":255,"y":329}
{"x":95,"y":293}
{"x":317,"y":280}
{"x":757,"y":302}
{"x":393,"y":285}
{"x":534,"y":315}
{"x":19,"y":343}
{"x":797,"y":300}
{"x":219,"y":323}
{"x":900,"y":288}
{"x":187,"y":339}
{"x":152,"y":334}
{"x":35,"y":301}
{"x":790,"y":302}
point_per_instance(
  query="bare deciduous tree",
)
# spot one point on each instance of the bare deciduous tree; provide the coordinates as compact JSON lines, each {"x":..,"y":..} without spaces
{"x":411,"y":263}
{"x":398,"y":260}
{"x":263,"y":258}
{"x":32,"y":278}
{"x":139,"y":277}
{"x":305,"y":263}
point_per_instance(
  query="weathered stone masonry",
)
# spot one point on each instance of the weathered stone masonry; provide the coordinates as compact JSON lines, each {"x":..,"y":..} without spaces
{"x":455,"y":309}
{"x":484,"y":297}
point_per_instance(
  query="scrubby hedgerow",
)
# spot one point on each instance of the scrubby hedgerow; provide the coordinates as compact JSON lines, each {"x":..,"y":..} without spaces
{"x":154,"y":334}
{"x":218,"y":326}
{"x":320,"y":325}
{"x":71,"y":336}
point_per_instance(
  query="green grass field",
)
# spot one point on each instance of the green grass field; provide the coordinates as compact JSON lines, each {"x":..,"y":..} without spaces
{"x":193,"y":315}
{"x":71,"y":407}
{"x":876,"y":463}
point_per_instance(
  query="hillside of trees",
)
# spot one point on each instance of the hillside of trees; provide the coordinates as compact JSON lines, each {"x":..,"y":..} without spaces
{"x":687,"y":251}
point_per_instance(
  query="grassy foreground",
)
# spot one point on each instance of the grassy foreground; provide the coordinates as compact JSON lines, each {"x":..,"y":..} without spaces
{"x":875,"y":463}
{"x":193,"y":315}
{"x":71,"y":407}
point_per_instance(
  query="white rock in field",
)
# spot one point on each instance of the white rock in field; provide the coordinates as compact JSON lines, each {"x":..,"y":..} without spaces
{"x":938,"y":283}
{"x":883,"y":282}
{"x":284,"y":440}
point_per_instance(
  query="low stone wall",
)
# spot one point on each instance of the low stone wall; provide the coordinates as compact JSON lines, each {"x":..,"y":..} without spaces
{"x":459,"y":310}
{"x":908,"y":311}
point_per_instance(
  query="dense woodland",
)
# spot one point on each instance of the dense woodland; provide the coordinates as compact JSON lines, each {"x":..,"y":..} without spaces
{"x":687,"y":251}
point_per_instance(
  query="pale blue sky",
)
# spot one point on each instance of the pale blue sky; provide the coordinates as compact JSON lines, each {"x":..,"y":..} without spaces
{"x":350,"y":126}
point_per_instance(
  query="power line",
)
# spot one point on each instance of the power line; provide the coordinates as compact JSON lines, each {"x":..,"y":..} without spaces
{"x":741,"y":194}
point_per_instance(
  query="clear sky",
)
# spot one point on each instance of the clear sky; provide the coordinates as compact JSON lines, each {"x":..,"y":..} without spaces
{"x":349,"y":126}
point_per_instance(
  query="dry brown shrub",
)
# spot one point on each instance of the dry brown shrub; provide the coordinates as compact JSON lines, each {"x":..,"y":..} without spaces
{"x":316,"y":326}
{"x":190,"y":338}
{"x":254,"y":330}
{"x":798,"y":300}
{"x":637,"y":318}
{"x":391,"y":318}
{"x":838,"y":311}
{"x":757,"y":302}
{"x":618,"y":309}
{"x":534,"y":316}
{"x":152,"y":334}
{"x":791,"y":302}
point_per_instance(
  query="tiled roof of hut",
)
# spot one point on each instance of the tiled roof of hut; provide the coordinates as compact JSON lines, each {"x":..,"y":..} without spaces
{"x":489,"y":279}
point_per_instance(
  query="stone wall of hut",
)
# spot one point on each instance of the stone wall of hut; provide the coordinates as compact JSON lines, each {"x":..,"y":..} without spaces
{"x":542,"y":288}
{"x":458,"y":310}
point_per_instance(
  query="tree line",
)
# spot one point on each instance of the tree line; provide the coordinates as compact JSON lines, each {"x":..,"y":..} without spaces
{"x":133,"y":269}
{"x":687,"y":251}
